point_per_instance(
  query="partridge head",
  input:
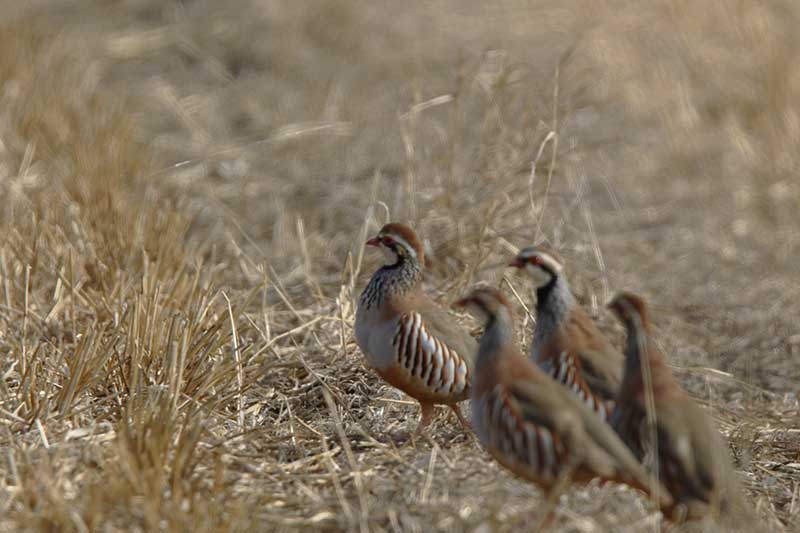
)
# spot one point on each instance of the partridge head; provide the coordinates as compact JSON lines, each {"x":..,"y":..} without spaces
{"x":691,"y":457}
{"x":398,"y":241}
{"x":532,"y":425}
{"x":567,"y":344}
{"x":406,"y":338}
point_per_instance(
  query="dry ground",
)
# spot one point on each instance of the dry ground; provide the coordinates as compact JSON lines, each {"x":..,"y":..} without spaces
{"x":185,"y":192}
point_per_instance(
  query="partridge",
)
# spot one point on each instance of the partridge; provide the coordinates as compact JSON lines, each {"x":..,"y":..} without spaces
{"x":567,"y":344}
{"x":693,"y":461}
{"x":406,"y":338}
{"x":532,"y":425}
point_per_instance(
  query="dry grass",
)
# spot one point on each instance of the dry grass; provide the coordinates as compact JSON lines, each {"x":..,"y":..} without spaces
{"x":175,"y":339}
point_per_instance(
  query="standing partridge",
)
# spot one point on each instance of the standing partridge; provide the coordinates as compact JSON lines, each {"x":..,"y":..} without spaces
{"x":532,"y":425}
{"x":566,"y":343}
{"x":692,"y":458}
{"x":406,"y":338}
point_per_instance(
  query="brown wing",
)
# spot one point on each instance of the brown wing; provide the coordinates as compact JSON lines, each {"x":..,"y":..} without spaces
{"x":527,"y":447}
{"x":684,"y":460}
{"x":444,"y":327}
{"x":567,"y":370}
{"x":693,"y":461}
{"x":585,"y":435}
{"x":626,"y":419}
{"x":602,"y":372}
{"x":601,"y":363}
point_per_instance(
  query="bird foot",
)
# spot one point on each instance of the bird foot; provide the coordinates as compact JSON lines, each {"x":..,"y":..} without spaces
{"x":464,"y":422}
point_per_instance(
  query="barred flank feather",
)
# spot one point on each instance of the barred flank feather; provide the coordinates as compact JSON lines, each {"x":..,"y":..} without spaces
{"x":437,"y":367}
{"x":521,"y":441}
{"x":566,"y":371}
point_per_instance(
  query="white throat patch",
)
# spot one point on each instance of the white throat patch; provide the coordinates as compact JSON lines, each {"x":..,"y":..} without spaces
{"x":389,"y":257}
{"x":540,"y":276}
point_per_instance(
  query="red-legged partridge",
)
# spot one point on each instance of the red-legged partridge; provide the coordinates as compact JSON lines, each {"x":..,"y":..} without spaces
{"x":693,"y":461}
{"x":567,"y":344}
{"x":532,"y":425}
{"x":411,"y":342}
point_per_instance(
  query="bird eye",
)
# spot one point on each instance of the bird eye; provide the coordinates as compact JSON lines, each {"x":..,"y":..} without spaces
{"x":387,"y":241}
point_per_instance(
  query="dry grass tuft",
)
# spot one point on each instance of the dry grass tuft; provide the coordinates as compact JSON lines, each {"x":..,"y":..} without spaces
{"x":186,"y":187}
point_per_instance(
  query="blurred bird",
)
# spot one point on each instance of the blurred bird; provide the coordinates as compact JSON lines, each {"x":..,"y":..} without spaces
{"x":566,"y":343}
{"x":410,"y":341}
{"x":692,"y":459}
{"x":532,"y":425}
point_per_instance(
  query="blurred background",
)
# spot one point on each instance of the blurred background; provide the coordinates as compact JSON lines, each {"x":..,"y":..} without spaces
{"x":255,"y":143}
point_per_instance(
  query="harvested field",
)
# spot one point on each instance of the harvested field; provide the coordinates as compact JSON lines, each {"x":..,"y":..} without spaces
{"x":187,"y":186}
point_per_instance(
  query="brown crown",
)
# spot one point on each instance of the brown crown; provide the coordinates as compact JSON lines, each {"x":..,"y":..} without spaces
{"x":490,"y":299}
{"x":626,"y":302}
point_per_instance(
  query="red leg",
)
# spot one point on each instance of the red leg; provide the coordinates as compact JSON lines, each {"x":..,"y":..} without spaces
{"x":426,"y":412}
{"x":464,"y":421}
{"x":547,"y":521}
{"x":554,"y":494}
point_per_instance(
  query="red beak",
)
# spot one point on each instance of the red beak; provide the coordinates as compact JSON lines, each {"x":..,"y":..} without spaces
{"x":517,"y":263}
{"x":375,"y":241}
